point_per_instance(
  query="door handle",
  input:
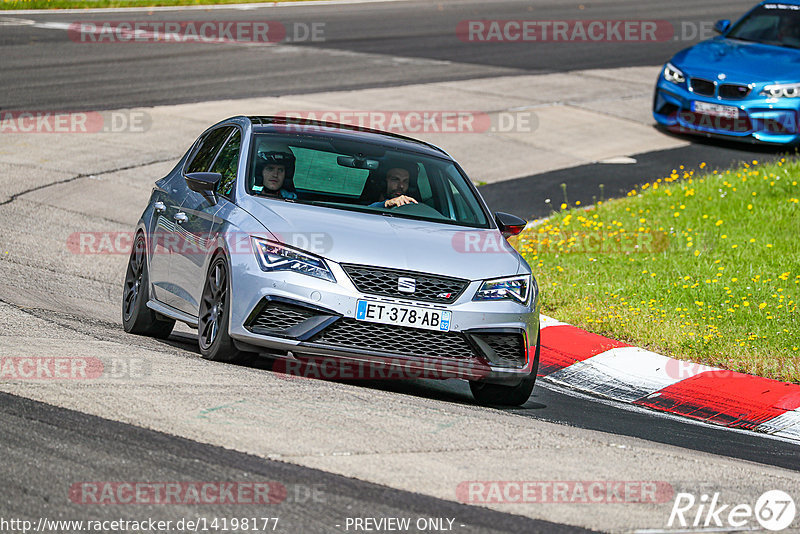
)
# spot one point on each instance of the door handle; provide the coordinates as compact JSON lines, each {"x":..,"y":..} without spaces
{"x":181,"y":217}
{"x":159,"y":207}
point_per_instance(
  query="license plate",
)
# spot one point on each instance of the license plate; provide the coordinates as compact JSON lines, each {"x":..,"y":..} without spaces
{"x":716,"y":110}
{"x":400,"y":315}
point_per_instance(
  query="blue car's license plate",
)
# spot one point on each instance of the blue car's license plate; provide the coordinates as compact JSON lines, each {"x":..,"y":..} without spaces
{"x":402,"y":315}
{"x":716,"y":110}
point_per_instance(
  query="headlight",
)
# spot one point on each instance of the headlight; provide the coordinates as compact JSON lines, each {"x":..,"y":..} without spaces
{"x":789,"y":90}
{"x":516,"y":288}
{"x":277,"y":257}
{"x":673,"y":74}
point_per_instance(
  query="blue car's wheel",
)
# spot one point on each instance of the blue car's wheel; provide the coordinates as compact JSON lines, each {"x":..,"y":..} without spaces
{"x":137,"y":318}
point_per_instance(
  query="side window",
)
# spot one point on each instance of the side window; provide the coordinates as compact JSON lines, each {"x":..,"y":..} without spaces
{"x":228,"y":163}
{"x":209,"y":146}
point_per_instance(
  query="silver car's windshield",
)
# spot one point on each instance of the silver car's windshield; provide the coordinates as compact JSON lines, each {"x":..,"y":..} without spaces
{"x":362,"y":177}
{"x":775,"y":24}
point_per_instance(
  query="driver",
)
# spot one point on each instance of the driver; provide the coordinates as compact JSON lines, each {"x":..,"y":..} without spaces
{"x":274,"y":172}
{"x":399,"y":176}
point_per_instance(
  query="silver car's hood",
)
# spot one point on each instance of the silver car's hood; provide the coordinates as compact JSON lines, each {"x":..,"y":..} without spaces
{"x":368,"y":239}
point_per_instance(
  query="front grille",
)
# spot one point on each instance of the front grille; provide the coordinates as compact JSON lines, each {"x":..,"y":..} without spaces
{"x":733,"y":91}
{"x":352,"y":334}
{"x":382,"y":281}
{"x":506,"y":350}
{"x":703,"y":87}
{"x":277,"y":317}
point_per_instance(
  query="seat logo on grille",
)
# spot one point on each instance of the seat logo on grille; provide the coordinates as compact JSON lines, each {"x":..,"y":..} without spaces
{"x":406,"y":285}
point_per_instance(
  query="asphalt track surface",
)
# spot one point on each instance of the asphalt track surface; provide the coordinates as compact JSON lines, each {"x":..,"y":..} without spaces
{"x":40,"y":69}
{"x":34,"y":432}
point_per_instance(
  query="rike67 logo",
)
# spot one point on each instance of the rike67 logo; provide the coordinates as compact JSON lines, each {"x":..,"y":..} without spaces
{"x":774,"y":510}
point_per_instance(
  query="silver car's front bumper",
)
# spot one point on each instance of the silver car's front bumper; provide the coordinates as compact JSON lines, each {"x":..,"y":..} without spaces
{"x":327,"y":303}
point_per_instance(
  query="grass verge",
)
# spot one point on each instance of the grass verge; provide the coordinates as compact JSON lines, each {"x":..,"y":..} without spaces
{"x":702,"y":268}
{"x":97,"y":4}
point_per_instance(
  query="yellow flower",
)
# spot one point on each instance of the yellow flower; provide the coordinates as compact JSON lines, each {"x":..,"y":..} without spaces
{"x":762,"y":305}
{"x":719,"y":223}
{"x":563,"y":206}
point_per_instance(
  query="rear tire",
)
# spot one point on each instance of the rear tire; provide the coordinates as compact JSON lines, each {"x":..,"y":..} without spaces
{"x":212,"y":328}
{"x":500,"y":395}
{"x":137,"y":318}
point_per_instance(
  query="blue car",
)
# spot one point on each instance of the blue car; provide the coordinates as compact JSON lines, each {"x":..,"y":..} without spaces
{"x":743,"y":84}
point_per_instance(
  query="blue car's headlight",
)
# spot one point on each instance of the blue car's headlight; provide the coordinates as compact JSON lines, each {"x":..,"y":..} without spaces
{"x":278,"y":257}
{"x":516,"y":288}
{"x":674,"y":74}
{"x":788,"y":90}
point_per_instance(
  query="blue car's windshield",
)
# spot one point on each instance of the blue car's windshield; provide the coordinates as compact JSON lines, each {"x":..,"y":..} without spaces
{"x":362,"y":177}
{"x":775,"y":24}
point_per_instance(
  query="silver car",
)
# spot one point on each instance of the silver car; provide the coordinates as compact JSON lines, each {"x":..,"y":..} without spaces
{"x":321,"y":244}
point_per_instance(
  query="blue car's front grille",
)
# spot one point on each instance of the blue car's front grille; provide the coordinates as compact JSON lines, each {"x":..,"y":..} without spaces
{"x":703,"y":87}
{"x":733,"y":91}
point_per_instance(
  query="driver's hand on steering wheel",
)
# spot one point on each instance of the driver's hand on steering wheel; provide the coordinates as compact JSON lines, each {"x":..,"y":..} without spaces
{"x":396,"y":202}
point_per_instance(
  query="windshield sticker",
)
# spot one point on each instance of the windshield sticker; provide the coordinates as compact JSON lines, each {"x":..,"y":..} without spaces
{"x":782,"y":6}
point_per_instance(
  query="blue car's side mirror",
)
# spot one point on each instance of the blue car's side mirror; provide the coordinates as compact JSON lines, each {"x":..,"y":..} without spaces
{"x":721,"y":26}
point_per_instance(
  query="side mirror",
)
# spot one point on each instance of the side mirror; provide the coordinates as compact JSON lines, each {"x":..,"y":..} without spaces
{"x":509,"y":224}
{"x":721,"y":26}
{"x":204,"y":183}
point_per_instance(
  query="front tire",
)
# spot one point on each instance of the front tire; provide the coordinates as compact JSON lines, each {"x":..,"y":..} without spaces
{"x":500,"y":395}
{"x":215,"y":308}
{"x":137,"y":318}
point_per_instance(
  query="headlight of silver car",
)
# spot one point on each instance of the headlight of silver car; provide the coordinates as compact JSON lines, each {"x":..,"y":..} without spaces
{"x":788,"y":90}
{"x":516,"y":288}
{"x":673,"y":74}
{"x":278,"y":257}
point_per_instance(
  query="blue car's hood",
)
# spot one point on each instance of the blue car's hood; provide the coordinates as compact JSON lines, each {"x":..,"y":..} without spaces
{"x":741,"y":61}
{"x":367,"y":239}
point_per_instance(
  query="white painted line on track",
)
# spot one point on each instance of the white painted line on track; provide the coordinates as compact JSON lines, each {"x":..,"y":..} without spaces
{"x":238,"y":7}
{"x":785,"y":425}
{"x":625,"y":373}
{"x":545,"y":321}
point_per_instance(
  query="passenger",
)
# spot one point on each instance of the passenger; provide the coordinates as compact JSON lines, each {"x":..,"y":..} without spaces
{"x":789,"y":30}
{"x":394,"y":190}
{"x":274,"y":173}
